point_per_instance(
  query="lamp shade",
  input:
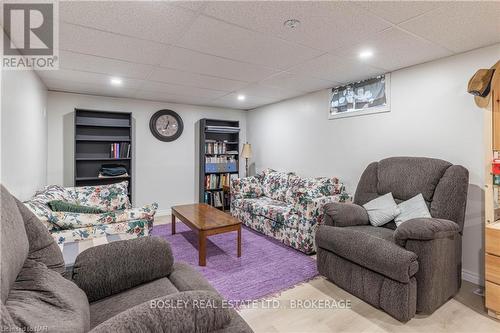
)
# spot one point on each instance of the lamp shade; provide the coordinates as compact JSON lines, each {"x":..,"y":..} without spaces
{"x":246,"y":152}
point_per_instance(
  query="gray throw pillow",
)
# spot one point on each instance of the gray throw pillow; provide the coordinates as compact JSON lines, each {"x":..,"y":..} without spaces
{"x":381,"y":210}
{"x":411,"y":209}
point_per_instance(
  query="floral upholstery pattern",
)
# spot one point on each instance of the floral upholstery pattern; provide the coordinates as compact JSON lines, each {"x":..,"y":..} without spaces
{"x":249,"y":187}
{"x":118,"y":218}
{"x":107,"y":197}
{"x":136,"y":228}
{"x":275,"y":184}
{"x":294,"y":217}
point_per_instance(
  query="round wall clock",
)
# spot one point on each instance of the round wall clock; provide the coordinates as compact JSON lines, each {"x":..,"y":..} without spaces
{"x":166,"y":125}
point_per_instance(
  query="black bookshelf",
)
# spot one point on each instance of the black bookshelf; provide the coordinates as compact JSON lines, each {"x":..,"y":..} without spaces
{"x":219,"y":160}
{"x":95,"y":132}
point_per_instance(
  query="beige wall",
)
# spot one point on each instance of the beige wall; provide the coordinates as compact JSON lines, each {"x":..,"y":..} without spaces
{"x":23,"y":132}
{"x":164,"y":172}
{"x":432,"y":115}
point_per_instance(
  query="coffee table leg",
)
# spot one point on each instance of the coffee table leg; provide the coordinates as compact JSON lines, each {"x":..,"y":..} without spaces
{"x":202,"y":248}
{"x":239,"y":241}
{"x":173,"y":224}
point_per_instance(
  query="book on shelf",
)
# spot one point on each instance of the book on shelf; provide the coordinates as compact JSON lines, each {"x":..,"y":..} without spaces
{"x":216,"y":199}
{"x":215,"y":147}
{"x":220,"y":159}
{"x":120,"y":150}
{"x":213,"y":182}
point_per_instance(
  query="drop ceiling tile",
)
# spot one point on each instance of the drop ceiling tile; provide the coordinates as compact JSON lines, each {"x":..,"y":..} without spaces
{"x":94,"y":42}
{"x":268,"y":92}
{"x":195,"y":80}
{"x":152,"y":20}
{"x":394,"y":49}
{"x":172,"y":98}
{"x":251,"y":102}
{"x":218,"y":38}
{"x":296,"y":82}
{"x":325,"y":25}
{"x":87,"y":78}
{"x":192,"y":5}
{"x":88,"y":88}
{"x":160,"y":87}
{"x":187,"y":60}
{"x":336,"y":69}
{"x":114,"y":67}
{"x":460,"y":26}
{"x":399,"y":11}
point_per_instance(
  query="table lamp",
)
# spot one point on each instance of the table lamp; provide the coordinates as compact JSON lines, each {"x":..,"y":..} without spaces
{"x":246,"y":153}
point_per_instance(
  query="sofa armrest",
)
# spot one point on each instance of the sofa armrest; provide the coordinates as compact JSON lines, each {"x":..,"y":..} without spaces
{"x":108,"y":269}
{"x":311,"y":208}
{"x":345,"y":214}
{"x":188,"y":311}
{"x":425,"y":229}
{"x":249,"y":187}
{"x":68,"y":220}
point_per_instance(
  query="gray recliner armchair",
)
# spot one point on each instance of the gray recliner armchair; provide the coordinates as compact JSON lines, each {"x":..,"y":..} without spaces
{"x":415,"y":267}
{"x":124,"y":286}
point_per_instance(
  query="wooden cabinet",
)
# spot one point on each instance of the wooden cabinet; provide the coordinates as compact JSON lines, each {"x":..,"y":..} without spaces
{"x":492,"y":204}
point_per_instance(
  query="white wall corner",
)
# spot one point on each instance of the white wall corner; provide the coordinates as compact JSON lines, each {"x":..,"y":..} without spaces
{"x":472,"y":277}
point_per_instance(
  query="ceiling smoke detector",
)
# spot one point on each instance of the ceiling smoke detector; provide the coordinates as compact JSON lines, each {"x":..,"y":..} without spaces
{"x":291,"y":23}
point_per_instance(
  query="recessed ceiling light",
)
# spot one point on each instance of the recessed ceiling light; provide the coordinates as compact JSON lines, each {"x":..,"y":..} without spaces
{"x":291,"y":23}
{"x":241,"y":97}
{"x":365,"y":54}
{"x":116,"y":81}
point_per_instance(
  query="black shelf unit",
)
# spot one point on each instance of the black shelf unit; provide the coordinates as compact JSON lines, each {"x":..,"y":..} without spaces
{"x":226,"y":134}
{"x":95,"y":132}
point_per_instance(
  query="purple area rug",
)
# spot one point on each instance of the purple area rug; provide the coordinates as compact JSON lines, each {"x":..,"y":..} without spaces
{"x":265,"y":267}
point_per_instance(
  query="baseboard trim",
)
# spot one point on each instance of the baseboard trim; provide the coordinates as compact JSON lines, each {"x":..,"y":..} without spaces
{"x":163,"y":212}
{"x":472,"y":277}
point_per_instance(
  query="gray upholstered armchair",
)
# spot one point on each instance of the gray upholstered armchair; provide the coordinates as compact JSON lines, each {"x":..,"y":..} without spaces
{"x":124,"y":286}
{"x":415,"y":267}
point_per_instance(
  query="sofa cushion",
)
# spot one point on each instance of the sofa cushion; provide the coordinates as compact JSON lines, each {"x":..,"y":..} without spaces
{"x":108,"y":307}
{"x":13,"y":242}
{"x":108,"y":197}
{"x":382,"y":233}
{"x":187,"y":311}
{"x":370,"y":251}
{"x":315,"y":187}
{"x":41,"y":297}
{"x":275,"y":184}
{"x":264,"y":206}
{"x":406,"y":177}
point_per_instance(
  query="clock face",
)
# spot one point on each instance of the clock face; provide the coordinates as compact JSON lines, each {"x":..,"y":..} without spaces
{"x":166,"y":125}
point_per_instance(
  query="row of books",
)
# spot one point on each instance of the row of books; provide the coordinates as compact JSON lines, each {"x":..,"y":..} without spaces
{"x":216,"y":199}
{"x":220,"y":159}
{"x":218,"y":181}
{"x":217,"y":147}
{"x":120,"y":150}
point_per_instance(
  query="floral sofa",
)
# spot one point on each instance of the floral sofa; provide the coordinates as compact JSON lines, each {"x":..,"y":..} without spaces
{"x":119,"y":217}
{"x":285,"y":206}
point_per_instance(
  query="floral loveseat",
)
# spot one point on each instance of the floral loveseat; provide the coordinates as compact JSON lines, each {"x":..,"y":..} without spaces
{"x":119,"y":217}
{"x":285,"y":206}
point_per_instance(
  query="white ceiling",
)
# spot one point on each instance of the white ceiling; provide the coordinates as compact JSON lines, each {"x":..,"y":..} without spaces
{"x":207,"y":53}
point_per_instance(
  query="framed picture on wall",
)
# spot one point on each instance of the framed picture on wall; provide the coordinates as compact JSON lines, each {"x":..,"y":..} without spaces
{"x":361,"y":98}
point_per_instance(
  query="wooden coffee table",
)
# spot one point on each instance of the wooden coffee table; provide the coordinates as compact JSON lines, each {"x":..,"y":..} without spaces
{"x":206,"y":221}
